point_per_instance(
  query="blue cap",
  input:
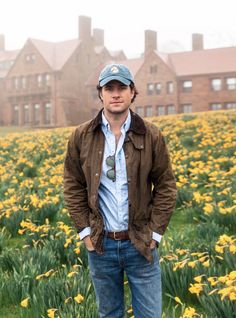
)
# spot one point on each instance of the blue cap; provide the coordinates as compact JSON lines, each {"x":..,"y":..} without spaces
{"x":115,"y":72}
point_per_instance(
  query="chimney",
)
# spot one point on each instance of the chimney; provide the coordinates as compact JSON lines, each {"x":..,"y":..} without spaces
{"x":197,"y":41}
{"x":150,"y":41}
{"x":98,"y":35}
{"x":2,"y":42}
{"x":84,"y":27}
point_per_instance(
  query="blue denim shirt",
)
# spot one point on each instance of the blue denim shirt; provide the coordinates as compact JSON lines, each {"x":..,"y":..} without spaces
{"x":113,"y":196}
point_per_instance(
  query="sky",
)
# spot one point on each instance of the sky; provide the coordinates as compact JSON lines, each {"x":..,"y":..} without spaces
{"x":123,"y":21}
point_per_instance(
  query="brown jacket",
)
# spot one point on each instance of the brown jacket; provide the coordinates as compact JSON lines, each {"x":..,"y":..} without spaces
{"x":151,"y":183}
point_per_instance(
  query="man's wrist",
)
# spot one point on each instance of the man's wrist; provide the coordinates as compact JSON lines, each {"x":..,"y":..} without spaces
{"x":85,"y":232}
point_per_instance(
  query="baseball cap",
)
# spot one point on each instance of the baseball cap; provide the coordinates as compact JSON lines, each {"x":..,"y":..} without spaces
{"x":118,"y":72}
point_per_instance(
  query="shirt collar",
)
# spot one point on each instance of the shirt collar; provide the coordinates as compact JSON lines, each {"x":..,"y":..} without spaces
{"x":125,"y":126}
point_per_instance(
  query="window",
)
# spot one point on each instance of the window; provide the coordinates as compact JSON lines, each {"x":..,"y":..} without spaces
{"x":187,"y":108}
{"x":15,"y":115}
{"x":27,"y":58}
{"x":23,"y":82}
{"x":16,"y":83}
{"x":158,"y":88}
{"x":231,"y":83}
{"x":160,"y":110}
{"x":187,"y":86}
{"x":47,"y":79}
{"x":170,"y":109}
{"x":26,"y":114}
{"x":230,"y":105}
{"x":216,"y":84}
{"x":149,"y":111}
{"x":39,"y":80}
{"x":215,"y":106}
{"x":47,"y":113}
{"x":36,"y":114}
{"x":140,"y":111}
{"x":170,"y":87}
{"x":150,"y":89}
{"x":30,"y":58}
{"x":153,"y":69}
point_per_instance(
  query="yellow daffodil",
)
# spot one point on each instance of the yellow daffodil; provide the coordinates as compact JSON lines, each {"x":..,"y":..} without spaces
{"x":177,"y":299}
{"x":25,"y":302}
{"x":51,"y":312}
{"x":71,"y":274}
{"x":189,"y":312}
{"x":196,"y":288}
{"x":79,"y":298}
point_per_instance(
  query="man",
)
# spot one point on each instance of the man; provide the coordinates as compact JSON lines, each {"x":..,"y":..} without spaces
{"x":120,"y":192}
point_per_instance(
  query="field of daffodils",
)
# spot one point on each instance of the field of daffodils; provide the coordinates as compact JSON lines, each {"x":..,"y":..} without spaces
{"x":43,"y":264}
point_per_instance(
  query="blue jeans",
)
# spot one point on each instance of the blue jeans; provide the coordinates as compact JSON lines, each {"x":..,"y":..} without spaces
{"x":107,"y":273}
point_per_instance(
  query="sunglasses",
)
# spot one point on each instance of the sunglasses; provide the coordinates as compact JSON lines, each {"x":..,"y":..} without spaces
{"x":111,"y":173}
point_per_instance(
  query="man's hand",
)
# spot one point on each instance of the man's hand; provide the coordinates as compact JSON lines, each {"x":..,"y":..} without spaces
{"x":153,"y":244}
{"x":88,"y":243}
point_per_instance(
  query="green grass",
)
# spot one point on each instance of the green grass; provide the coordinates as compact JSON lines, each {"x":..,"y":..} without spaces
{"x":15,"y":242}
{"x":4,"y":130}
{"x":10,"y":312}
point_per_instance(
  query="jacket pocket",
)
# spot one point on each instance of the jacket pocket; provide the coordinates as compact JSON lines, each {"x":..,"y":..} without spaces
{"x":142,"y":231}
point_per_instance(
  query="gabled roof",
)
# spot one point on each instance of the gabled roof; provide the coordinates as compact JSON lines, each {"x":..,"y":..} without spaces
{"x":56,"y":54}
{"x":115,"y":53}
{"x":99,"y":49}
{"x":133,"y":64}
{"x":7,"y":56}
{"x":208,"y":61}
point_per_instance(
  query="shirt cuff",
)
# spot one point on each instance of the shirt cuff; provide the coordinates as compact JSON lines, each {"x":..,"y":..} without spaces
{"x":85,"y":232}
{"x":157,"y":237}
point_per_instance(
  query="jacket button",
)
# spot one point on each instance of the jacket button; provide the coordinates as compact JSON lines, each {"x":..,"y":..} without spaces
{"x":126,"y":156}
{"x":96,"y":174}
{"x":129,"y":180}
{"x":141,"y":146}
{"x":100,"y":152}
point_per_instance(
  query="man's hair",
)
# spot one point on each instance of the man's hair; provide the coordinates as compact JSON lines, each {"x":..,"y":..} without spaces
{"x":132,"y":87}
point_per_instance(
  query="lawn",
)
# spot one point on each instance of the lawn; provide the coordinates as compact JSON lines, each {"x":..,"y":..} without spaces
{"x":43,"y":265}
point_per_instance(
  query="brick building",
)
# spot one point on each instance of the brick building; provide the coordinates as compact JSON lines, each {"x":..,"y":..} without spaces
{"x":54,"y":84}
{"x":7,"y":59}
{"x":185,"y":82}
{"x":45,"y":85}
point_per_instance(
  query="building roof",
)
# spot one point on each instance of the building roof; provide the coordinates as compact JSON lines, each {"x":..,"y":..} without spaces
{"x":134,"y":66}
{"x":208,"y":61}
{"x":7,"y":56}
{"x":56,"y":54}
{"x":99,"y":49}
{"x":116,"y":53}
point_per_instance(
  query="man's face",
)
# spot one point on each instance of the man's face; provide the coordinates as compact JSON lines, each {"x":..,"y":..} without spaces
{"x":116,"y":97}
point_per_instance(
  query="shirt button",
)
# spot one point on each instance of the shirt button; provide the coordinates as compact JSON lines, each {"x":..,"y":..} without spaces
{"x":100,"y":152}
{"x":96,"y":174}
{"x":126,"y":156}
{"x":141,"y":146}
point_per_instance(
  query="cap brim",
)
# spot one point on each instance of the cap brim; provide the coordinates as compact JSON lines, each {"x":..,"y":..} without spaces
{"x":114,"y":78}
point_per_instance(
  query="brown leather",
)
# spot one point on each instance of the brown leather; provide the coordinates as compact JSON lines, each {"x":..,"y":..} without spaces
{"x":124,"y":235}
